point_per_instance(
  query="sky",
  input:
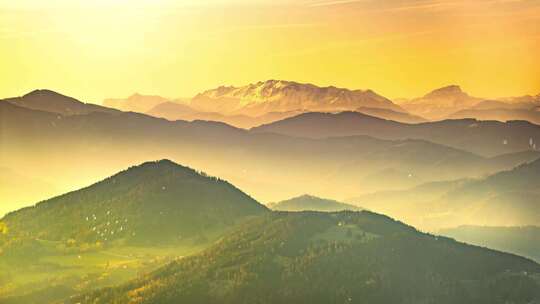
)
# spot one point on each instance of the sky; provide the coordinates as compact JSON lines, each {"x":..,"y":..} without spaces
{"x":98,"y":49}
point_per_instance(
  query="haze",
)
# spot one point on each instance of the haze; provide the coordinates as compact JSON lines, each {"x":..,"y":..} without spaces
{"x":99,"y":49}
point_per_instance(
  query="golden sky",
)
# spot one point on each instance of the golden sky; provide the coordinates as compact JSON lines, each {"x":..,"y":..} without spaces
{"x":176,"y":48}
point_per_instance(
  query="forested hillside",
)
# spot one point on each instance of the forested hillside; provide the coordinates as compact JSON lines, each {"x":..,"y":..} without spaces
{"x":342,"y":257}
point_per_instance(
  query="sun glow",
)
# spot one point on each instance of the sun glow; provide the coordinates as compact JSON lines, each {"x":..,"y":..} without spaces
{"x":109,"y":48}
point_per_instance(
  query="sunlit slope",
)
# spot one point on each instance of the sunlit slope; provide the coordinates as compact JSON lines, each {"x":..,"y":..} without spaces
{"x":80,"y":149}
{"x":153,"y":203}
{"x":282,"y":96}
{"x":342,"y":257}
{"x":488,"y":138}
{"x":311,"y":203}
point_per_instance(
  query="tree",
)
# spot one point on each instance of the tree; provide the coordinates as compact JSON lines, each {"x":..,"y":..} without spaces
{"x":3,"y":228}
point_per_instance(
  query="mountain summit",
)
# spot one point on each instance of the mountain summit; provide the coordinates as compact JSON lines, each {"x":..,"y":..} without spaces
{"x":282,"y":96}
{"x":450,"y":91}
{"x":441,"y":102}
{"x":53,"y":102}
{"x":151,"y":203}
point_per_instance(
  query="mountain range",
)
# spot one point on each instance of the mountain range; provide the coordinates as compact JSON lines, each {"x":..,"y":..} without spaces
{"x":179,"y":111}
{"x":488,"y":138}
{"x":452,"y":102}
{"x":99,"y":144}
{"x":262,"y":102}
{"x":285,"y":96}
{"x":268,"y":101}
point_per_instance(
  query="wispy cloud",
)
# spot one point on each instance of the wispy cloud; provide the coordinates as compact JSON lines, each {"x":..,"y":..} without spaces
{"x":416,"y":4}
{"x":422,"y":5}
{"x":334,"y":2}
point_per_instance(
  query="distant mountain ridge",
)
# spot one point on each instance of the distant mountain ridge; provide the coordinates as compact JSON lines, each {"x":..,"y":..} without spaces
{"x":521,"y":240}
{"x":251,"y":105}
{"x":284,"y":96}
{"x":452,"y":102}
{"x":507,"y":198}
{"x":500,"y":114}
{"x":439,"y":103}
{"x":488,"y":138}
{"x":100,"y":144}
{"x":312,"y":203}
{"x":392,"y":115}
{"x":179,"y":111}
{"x":135,"y":103}
{"x":53,"y":102}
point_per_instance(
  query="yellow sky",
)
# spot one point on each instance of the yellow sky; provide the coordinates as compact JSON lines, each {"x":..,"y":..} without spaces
{"x":399,"y":48}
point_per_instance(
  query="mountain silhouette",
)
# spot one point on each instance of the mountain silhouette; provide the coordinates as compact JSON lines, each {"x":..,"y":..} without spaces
{"x":50,"y":101}
{"x":489,"y":138}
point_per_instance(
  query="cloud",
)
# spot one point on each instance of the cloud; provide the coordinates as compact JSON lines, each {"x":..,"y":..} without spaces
{"x":334,"y":2}
{"x":395,"y":5}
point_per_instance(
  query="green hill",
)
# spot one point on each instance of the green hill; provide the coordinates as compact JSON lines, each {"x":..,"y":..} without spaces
{"x":311,"y":203}
{"x":156,"y":202}
{"x":107,"y":233}
{"x":346,"y":257}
